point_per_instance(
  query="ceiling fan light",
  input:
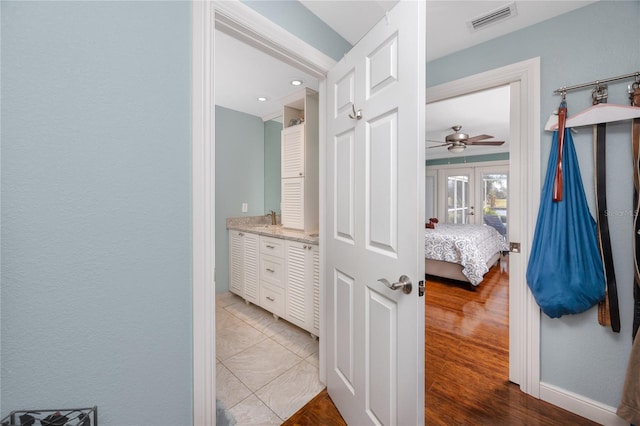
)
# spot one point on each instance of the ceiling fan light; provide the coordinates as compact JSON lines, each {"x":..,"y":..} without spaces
{"x":456,"y":149}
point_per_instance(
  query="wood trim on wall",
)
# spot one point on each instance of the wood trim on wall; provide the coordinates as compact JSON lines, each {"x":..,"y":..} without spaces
{"x":581,"y":405}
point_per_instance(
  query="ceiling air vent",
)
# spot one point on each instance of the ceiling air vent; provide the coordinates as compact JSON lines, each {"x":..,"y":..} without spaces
{"x":492,"y":17}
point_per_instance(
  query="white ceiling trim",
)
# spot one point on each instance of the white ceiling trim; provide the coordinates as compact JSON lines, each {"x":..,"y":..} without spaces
{"x":238,"y":20}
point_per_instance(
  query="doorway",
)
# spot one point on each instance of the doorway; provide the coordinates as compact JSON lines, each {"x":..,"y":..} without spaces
{"x":523,"y":80}
{"x":266,"y":367}
{"x":471,"y":190}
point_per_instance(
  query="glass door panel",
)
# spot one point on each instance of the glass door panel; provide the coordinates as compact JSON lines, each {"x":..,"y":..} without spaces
{"x":494,"y":184}
{"x":459,"y":197}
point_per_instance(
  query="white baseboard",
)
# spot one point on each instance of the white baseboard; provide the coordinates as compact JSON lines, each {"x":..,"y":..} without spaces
{"x":580,"y":405}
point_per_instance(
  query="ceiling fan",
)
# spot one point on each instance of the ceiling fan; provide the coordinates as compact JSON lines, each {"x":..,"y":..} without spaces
{"x":458,"y":141}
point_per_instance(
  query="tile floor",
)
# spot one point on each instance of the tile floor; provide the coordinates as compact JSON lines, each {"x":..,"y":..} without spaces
{"x":265,"y":369}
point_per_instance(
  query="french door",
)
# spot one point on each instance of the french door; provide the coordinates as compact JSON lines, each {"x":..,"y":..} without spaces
{"x":459,"y":196}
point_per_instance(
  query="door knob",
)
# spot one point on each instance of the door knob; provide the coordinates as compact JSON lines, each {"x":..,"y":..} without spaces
{"x":404,"y":282}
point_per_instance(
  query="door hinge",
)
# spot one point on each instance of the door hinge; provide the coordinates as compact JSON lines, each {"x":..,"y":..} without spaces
{"x":420,"y":288}
{"x":514,"y":247}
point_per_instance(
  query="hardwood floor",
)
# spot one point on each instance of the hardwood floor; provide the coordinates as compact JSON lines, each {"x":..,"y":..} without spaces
{"x":466,"y":363}
{"x":319,"y":411}
{"x":467,"y":359}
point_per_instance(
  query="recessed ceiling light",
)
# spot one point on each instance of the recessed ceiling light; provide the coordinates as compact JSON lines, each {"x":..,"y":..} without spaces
{"x":262,"y":99}
{"x":297,"y":82}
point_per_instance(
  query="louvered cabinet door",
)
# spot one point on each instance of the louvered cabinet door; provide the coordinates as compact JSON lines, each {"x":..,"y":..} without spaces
{"x":292,"y":210}
{"x":315,"y":278}
{"x":292,"y":152}
{"x":236,"y":262}
{"x":251,"y":268}
{"x":296,"y":300}
{"x":299,"y":285}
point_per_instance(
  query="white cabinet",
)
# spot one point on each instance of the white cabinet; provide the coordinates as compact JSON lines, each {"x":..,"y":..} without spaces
{"x":272,"y":275}
{"x":243,"y":265}
{"x":299,"y":161}
{"x":281,"y":276}
{"x":302,"y":286}
{"x":292,"y":207}
{"x":292,"y":151}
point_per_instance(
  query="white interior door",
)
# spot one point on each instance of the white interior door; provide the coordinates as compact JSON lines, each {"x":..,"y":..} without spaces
{"x":375,"y":229}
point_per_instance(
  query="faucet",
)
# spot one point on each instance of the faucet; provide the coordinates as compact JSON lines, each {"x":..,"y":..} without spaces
{"x":272,"y":213}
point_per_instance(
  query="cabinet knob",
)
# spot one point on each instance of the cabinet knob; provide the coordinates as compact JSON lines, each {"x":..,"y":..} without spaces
{"x":241,"y":234}
{"x":300,"y":174}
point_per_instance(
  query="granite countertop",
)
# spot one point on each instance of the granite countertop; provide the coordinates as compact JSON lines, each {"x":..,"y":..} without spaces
{"x":261,"y":225}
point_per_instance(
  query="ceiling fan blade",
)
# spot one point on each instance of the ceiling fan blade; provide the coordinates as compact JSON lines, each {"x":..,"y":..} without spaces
{"x":432,"y":141}
{"x":486,"y":143}
{"x":478,"y":138}
{"x":438,"y":146}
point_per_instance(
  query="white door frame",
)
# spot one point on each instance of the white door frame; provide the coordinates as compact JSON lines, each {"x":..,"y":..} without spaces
{"x":242,"y":22}
{"x":524,"y":315}
{"x":203,"y":238}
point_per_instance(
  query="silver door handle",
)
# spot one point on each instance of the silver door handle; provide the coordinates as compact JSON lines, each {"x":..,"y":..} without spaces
{"x":404,"y":282}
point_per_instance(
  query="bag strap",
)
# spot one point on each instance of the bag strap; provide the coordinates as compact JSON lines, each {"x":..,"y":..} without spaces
{"x":562,"y":120}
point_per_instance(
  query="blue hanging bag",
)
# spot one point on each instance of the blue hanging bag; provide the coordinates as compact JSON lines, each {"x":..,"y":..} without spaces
{"x":565,"y":272}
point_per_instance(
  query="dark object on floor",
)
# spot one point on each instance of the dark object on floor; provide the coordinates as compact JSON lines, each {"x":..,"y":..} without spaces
{"x":27,"y":420}
{"x":56,"y":417}
{"x":223,"y":416}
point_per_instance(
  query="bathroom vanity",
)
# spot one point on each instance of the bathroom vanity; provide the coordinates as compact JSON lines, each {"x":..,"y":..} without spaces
{"x":277,"y":269}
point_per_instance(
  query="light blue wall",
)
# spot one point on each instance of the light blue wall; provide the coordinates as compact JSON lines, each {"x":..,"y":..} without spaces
{"x":239,"y":178}
{"x":595,"y":42}
{"x":298,"y":20}
{"x":96,"y":209}
{"x":272,"y":165}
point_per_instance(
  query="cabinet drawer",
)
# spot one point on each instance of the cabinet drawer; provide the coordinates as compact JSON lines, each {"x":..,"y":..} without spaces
{"x":272,"y":246}
{"x":272,"y":299}
{"x":272,"y":269}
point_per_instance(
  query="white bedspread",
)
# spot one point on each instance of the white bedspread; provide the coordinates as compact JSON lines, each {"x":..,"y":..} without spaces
{"x":468,"y":245}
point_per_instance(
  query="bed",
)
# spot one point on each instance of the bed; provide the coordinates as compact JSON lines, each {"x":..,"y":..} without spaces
{"x":462,"y":252}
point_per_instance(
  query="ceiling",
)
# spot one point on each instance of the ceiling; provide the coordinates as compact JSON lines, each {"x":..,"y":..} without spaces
{"x":350,"y":19}
{"x":243,"y":73}
{"x":478,"y":113}
{"x":447,"y":30}
{"x":485,"y":112}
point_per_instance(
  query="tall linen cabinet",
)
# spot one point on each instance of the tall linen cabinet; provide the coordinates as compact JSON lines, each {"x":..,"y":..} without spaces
{"x":299,"y":155}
